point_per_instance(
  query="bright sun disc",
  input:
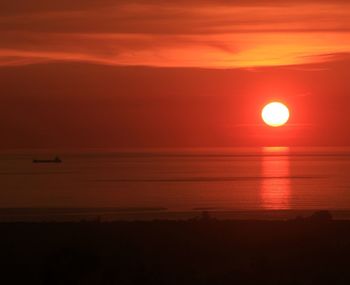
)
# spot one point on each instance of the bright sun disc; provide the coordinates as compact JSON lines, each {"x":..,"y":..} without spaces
{"x":275,"y":114}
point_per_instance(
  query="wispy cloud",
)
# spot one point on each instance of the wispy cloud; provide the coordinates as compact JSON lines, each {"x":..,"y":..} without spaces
{"x":219,"y":34}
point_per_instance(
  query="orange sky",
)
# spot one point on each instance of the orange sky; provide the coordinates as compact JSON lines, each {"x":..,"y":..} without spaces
{"x":71,"y":75}
{"x":173,"y":33}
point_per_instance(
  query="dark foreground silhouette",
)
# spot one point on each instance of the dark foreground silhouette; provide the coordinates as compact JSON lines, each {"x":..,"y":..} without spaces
{"x":203,"y":251}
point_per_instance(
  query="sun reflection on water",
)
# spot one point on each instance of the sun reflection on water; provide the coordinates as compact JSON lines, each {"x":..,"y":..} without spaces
{"x":275,"y":185}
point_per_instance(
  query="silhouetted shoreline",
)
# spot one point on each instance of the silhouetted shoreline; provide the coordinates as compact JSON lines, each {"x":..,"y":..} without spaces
{"x":109,"y":214}
{"x":204,"y":250}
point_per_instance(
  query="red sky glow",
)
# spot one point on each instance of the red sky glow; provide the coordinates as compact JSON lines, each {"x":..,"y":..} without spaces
{"x":152,"y":73}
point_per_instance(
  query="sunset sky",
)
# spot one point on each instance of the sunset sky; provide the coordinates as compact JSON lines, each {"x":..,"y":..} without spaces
{"x":139,"y":73}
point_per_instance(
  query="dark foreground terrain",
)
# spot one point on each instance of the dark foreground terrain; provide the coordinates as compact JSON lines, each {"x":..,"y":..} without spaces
{"x":193,"y":252}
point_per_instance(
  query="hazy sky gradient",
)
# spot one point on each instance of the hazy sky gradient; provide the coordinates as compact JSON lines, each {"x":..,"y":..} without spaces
{"x":195,"y":33}
{"x":105,"y":73}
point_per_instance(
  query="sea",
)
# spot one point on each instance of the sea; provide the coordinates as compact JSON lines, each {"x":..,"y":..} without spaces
{"x":235,"y":183}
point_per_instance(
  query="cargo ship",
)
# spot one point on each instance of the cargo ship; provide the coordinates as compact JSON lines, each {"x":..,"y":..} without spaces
{"x":54,"y":160}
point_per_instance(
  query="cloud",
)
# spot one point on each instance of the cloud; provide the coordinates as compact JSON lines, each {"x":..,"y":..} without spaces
{"x":20,"y":7}
{"x":193,"y":33}
{"x":177,"y":19}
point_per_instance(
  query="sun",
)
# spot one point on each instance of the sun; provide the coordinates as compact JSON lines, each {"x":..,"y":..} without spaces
{"x":275,"y":114}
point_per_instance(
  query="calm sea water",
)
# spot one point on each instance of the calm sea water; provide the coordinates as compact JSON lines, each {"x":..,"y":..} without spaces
{"x":257,"y":179}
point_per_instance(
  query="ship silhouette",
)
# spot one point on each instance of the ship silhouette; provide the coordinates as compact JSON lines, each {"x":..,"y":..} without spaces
{"x":54,"y":160}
